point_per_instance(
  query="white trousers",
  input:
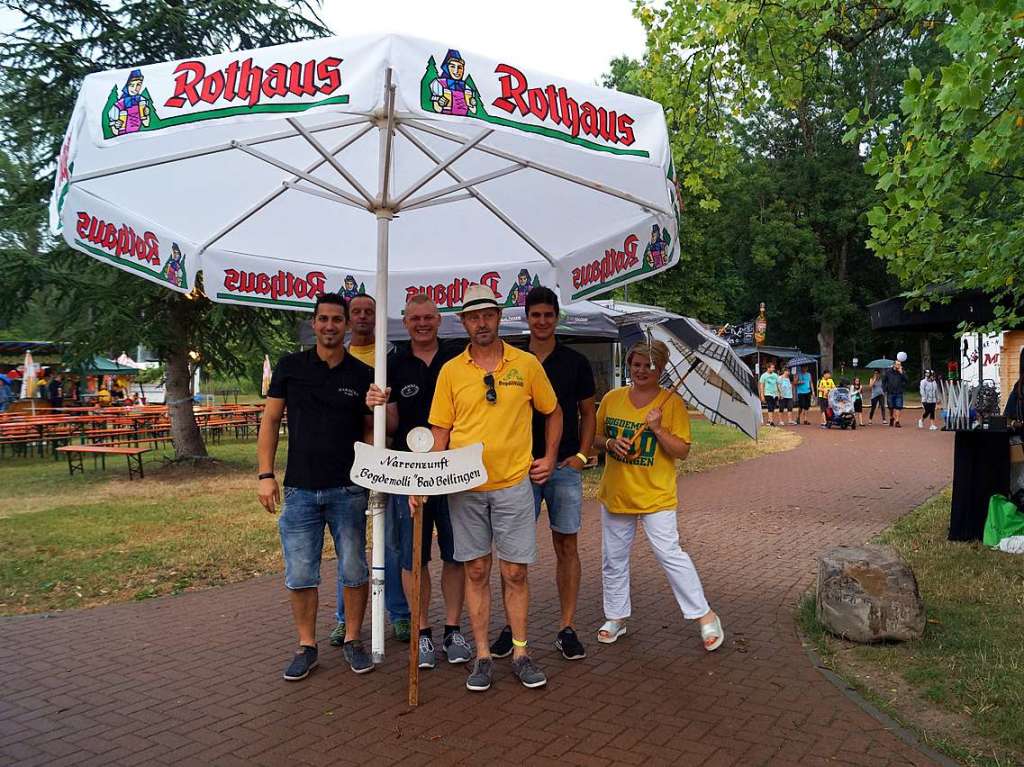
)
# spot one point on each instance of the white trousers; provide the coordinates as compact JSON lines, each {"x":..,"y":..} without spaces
{"x":618,"y":532}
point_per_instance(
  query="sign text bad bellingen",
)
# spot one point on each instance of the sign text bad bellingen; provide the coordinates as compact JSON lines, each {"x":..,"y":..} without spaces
{"x":402,"y":473}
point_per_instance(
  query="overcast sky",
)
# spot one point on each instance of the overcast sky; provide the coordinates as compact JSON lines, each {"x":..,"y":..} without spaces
{"x":574,"y":39}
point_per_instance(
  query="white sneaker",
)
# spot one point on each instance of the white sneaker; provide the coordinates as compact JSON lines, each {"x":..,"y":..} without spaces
{"x":920,"y":423}
{"x":933,"y":427}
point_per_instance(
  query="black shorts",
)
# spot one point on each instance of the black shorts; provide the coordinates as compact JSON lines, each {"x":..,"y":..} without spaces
{"x":785,"y":404}
{"x":823,"y":403}
{"x":803,"y":401}
{"x":770,"y":403}
{"x":858,"y":406}
{"x":929,"y":410}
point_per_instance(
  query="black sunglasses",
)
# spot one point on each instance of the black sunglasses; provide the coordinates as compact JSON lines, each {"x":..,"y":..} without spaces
{"x":492,"y":393}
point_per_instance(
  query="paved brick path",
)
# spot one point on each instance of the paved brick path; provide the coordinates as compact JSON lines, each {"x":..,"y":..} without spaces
{"x":195,"y":679}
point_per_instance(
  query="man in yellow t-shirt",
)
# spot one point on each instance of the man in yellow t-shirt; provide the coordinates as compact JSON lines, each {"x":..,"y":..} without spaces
{"x":488,"y":394}
{"x":362,"y":312}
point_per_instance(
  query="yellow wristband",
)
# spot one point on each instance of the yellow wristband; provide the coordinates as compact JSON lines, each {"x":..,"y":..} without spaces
{"x":518,"y":643}
{"x":582,"y":458}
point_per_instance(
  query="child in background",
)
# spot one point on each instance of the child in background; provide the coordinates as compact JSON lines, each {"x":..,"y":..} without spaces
{"x":858,"y":402}
{"x":825,"y":385}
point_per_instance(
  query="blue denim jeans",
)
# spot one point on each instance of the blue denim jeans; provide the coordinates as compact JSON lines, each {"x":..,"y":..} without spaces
{"x":394,"y":594}
{"x":302,"y":521}
{"x":563,"y":495}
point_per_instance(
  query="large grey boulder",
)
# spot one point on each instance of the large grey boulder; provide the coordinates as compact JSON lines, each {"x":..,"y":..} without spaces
{"x":868,"y":594}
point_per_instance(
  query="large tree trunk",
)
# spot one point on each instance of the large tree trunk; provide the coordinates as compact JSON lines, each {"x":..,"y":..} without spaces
{"x":926,"y":355}
{"x":827,"y":344}
{"x":185,"y":434}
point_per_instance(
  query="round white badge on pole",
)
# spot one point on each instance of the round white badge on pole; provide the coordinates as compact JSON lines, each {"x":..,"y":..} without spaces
{"x":420,"y":439}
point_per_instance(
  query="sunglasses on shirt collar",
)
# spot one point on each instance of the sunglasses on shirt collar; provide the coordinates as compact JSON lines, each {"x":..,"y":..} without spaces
{"x":492,"y":393}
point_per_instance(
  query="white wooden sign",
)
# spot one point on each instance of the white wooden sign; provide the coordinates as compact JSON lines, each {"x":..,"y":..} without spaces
{"x":401,"y":473}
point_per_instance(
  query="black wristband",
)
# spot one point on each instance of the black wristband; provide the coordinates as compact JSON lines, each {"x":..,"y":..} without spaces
{"x":266,"y":475}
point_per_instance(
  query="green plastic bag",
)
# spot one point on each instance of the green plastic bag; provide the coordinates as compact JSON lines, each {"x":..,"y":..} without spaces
{"x":1004,"y":519}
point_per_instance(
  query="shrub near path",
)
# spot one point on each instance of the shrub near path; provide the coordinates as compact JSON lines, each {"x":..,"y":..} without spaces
{"x":69,"y":542}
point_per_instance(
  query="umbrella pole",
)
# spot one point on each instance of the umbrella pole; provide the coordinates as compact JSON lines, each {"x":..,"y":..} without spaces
{"x":414,"y":605}
{"x":376,"y":505}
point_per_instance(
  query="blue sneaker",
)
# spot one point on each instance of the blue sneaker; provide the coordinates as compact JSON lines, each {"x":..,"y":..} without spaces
{"x":358,"y":659}
{"x":303,"y":662}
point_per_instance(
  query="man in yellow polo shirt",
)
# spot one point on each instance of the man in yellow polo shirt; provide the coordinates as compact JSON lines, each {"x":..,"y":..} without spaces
{"x":488,"y":394}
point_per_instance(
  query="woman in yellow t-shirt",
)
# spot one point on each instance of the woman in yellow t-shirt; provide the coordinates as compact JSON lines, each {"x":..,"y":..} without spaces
{"x":639,"y":484}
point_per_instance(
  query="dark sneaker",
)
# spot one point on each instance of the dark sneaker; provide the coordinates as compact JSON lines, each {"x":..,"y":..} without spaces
{"x":428,"y":656}
{"x":358,"y":659}
{"x":303,"y":662}
{"x":338,"y":635}
{"x":456,"y":648}
{"x":502,"y":646}
{"x":402,"y":628}
{"x":479,"y":678}
{"x":528,"y":673}
{"x":569,"y":644}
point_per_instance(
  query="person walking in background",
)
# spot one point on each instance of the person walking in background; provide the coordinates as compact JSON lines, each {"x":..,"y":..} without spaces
{"x":769,"y":385}
{"x":929,"y":389}
{"x":877,"y":397}
{"x":858,"y":401}
{"x":803,"y":395}
{"x":785,"y":399}
{"x":894,"y":382}
{"x":825,"y":385}
{"x":639,"y":486}
{"x":6,"y":395}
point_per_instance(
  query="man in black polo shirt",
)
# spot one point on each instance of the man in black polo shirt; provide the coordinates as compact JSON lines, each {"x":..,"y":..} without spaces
{"x":412,"y":377}
{"x":323,"y":391}
{"x":573,"y":381}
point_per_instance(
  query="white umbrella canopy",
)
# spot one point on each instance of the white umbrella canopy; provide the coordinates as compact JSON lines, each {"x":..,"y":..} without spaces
{"x":390,"y":165}
{"x":270,"y":183}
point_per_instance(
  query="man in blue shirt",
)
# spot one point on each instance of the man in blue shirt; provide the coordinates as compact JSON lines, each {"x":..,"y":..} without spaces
{"x":803,"y":395}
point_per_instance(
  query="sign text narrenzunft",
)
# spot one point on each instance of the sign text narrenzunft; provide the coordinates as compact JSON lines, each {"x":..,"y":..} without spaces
{"x":402,"y":473}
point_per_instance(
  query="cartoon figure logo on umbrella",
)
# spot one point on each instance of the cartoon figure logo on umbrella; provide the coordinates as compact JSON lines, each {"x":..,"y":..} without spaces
{"x":349,"y":288}
{"x":131,"y":112}
{"x":451,"y":92}
{"x":174,"y":269}
{"x":656,"y":252}
{"x":517,"y":296}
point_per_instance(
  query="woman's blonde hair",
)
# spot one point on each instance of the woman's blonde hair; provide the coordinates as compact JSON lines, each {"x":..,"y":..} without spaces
{"x":655,"y":351}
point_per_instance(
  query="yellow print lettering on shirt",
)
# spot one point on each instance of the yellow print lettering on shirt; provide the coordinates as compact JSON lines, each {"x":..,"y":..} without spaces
{"x":643,"y":454}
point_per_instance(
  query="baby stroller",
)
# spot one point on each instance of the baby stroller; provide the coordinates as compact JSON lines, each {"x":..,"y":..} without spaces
{"x":840,"y":409}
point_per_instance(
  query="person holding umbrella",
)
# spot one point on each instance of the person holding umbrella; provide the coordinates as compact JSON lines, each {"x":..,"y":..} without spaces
{"x":645,"y":429}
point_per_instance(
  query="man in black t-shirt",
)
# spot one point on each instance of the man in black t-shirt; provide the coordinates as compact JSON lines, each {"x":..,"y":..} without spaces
{"x":412,"y":377}
{"x":323,"y":390}
{"x":573,"y":381}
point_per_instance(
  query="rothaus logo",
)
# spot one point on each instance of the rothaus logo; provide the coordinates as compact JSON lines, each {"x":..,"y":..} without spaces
{"x":552,"y":103}
{"x":280,"y":285}
{"x":120,"y":240}
{"x":614,"y":262}
{"x":246,"y":82}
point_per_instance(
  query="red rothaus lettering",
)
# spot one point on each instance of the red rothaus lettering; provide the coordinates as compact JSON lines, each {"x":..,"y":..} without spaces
{"x":553,"y":103}
{"x":280,"y":285}
{"x":615,"y":262}
{"x":450,"y":294}
{"x":245,"y":81}
{"x":121,"y":241}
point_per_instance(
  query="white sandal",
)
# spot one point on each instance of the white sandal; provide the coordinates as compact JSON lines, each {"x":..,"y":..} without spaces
{"x":612,"y":630}
{"x":713,"y":629}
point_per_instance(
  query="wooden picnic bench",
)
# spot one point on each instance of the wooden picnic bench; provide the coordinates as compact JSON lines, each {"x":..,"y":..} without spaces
{"x":132,"y":454}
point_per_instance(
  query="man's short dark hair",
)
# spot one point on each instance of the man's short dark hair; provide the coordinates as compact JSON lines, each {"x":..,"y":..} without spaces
{"x":334,"y":300}
{"x":363,"y":295}
{"x":541,"y":295}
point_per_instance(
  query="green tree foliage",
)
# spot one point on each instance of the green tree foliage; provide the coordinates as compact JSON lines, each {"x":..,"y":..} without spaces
{"x":90,"y":305}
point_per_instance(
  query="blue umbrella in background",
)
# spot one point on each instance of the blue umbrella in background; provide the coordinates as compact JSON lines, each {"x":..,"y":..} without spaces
{"x":882,"y":364}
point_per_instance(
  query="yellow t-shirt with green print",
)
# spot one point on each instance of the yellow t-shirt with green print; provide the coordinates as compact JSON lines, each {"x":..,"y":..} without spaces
{"x":644,"y":481}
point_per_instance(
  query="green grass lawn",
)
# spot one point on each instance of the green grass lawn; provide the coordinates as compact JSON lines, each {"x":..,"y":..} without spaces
{"x":68,"y":542}
{"x":970,"y":663}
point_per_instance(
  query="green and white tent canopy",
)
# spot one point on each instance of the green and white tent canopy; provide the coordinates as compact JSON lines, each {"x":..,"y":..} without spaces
{"x":264,"y":170}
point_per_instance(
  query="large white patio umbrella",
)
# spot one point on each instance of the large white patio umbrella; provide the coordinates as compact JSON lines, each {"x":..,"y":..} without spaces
{"x":389,"y":165}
